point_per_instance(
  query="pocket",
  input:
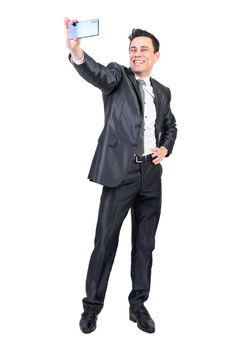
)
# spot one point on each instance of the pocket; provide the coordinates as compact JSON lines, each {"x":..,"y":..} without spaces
{"x":159,"y":169}
{"x":109,"y":139}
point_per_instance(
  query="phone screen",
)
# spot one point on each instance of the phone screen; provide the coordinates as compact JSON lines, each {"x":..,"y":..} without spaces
{"x":83,"y":29}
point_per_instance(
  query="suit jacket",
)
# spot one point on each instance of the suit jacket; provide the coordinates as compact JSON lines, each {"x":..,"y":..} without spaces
{"x":123,"y":118}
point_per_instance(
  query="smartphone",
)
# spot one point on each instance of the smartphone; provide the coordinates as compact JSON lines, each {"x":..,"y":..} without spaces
{"x":83,"y":29}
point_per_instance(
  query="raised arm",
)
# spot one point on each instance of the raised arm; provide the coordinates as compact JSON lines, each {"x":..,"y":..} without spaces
{"x":103,"y":77}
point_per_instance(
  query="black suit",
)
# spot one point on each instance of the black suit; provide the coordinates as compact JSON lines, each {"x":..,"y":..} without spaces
{"x":123,"y":117}
{"x":126,"y":184}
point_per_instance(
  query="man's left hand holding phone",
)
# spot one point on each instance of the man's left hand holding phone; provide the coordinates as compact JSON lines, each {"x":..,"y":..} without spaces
{"x":74,"y":44}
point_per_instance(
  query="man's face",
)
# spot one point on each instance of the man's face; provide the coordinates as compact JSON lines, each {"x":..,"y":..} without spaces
{"x":142,"y":56}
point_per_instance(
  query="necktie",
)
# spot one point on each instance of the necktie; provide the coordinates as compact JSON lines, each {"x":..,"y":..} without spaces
{"x":140,"y":143}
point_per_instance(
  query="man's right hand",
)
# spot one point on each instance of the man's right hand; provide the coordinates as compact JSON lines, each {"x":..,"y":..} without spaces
{"x":72,"y":45}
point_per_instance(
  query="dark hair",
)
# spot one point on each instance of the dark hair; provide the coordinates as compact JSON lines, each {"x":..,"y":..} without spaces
{"x":140,"y":32}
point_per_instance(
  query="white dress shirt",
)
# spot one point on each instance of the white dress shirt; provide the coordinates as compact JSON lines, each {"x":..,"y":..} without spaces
{"x":149,"y":117}
{"x":78,"y":61}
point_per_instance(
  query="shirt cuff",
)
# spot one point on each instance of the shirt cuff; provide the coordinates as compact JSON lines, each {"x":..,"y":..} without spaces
{"x":78,"y":61}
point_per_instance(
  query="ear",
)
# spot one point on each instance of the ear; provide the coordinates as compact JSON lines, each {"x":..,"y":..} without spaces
{"x":156,"y":56}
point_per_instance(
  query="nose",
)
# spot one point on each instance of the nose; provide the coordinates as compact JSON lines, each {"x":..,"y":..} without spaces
{"x":137,"y":53}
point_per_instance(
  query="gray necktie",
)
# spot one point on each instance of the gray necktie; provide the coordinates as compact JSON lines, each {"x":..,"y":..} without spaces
{"x":140,"y":144}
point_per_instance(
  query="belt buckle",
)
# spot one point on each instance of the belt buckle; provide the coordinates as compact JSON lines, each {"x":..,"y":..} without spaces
{"x":138,"y":160}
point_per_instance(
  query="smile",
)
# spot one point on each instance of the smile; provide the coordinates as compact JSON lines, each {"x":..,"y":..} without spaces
{"x":138,"y":62}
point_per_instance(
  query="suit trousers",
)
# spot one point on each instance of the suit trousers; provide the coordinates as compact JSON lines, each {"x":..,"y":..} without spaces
{"x":141,"y":192}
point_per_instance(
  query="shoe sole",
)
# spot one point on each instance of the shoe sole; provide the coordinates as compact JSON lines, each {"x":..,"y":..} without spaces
{"x":132,"y":318}
{"x":89,"y":331}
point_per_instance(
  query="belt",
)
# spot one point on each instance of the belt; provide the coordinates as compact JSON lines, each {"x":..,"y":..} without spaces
{"x":142,"y":159}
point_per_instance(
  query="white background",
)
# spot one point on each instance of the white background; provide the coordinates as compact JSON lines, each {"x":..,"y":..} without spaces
{"x":50,"y":122}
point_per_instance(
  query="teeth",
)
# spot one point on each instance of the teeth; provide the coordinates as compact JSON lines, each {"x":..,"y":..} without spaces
{"x":139,"y":62}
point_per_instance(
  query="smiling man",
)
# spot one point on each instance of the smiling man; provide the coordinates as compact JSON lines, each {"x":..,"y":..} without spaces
{"x":139,"y":131}
{"x":143,"y":55}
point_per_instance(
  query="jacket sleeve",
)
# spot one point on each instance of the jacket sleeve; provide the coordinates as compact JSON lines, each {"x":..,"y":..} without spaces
{"x":169,"y":129}
{"x":105,"y":78}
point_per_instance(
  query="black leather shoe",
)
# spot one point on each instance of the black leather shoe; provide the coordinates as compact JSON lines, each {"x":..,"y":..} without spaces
{"x":143,"y":319}
{"x":88,"y":322}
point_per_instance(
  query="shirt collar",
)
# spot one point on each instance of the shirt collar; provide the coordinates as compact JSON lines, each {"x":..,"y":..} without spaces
{"x":147,"y":80}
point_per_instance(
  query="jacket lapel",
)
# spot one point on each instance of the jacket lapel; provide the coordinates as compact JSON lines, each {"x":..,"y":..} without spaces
{"x":157,"y":94}
{"x":135,"y":85}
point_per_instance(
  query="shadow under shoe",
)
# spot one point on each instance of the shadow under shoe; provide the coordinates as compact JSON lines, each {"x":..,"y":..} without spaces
{"x":88,"y":322}
{"x":143,"y":319}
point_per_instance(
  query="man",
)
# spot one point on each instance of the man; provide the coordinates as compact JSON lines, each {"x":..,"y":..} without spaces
{"x":139,"y":131}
